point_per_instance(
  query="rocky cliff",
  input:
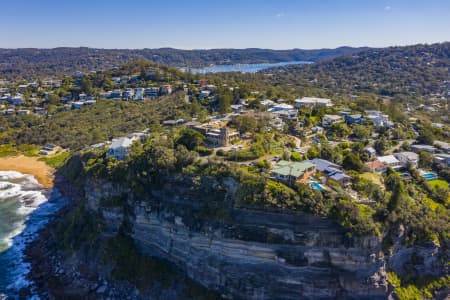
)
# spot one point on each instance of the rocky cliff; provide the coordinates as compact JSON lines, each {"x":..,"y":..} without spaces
{"x":242,"y":253}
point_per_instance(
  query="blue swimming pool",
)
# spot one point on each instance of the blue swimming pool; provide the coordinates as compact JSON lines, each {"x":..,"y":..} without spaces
{"x":429,"y":176}
{"x":316,"y":186}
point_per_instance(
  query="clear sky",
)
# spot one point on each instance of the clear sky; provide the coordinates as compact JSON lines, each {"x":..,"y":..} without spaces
{"x":199,"y":24}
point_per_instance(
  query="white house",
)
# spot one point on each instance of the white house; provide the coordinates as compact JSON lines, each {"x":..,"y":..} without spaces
{"x":119,"y":147}
{"x":390,"y":161}
{"x":306,"y":102}
{"x":408,"y":158}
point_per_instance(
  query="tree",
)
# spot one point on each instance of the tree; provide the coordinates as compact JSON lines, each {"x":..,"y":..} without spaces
{"x":224,"y":98}
{"x":361,"y":132}
{"x":190,"y":138}
{"x":245,"y":123}
{"x":425,"y":159}
{"x":53,"y":99}
{"x":86,"y":85}
{"x":352,"y":162}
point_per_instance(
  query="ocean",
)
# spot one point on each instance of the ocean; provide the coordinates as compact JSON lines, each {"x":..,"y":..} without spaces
{"x":25,"y":207}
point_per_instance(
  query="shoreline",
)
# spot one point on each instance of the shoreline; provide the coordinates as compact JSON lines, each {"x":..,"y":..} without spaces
{"x":29,"y":165}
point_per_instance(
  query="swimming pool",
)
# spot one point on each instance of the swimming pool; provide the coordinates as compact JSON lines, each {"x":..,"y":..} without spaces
{"x":429,"y":176}
{"x":316,"y":186}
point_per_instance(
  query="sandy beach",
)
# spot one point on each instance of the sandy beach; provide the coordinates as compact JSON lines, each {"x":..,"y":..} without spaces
{"x":29,"y":165}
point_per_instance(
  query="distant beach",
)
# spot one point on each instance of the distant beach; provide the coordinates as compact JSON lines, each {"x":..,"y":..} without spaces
{"x":29,"y":165}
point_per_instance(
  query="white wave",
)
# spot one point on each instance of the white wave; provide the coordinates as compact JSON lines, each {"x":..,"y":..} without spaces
{"x":36,"y":211}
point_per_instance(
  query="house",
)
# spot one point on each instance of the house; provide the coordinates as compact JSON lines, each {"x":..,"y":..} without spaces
{"x":277,"y":123}
{"x":128,"y":94}
{"x":308,"y":102}
{"x":332,"y":171}
{"x":222,"y":137}
{"x":152,"y":92}
{"x":77,"y":104}
{"x":166,"y":89}
{"x":204,"y":94}
{"x":23,"y":112}
{"x":408,"y":159}
{"x":119,"y":147}
{"x":354,"y":119}
{"x":390,"y":161}
{"x":375,"y":166}
{"x":140,"y":92}
{"x":328,"y":120}
{"x":443,"y":146}
{"x":16,"y":100}
{"x":116,"y":94}
{"x":290,"y":172}
{"x":442,"y":159}
{"x":280,"y":107}
{"x":370,"y":152}
{"x":379,"y":119}
{"x":236,"y":108}
{"x":267,"y":103}
{"x":418,"y":147}
{"x":343,"y":179}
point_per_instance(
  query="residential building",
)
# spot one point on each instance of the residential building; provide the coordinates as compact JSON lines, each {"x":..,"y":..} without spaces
{"x":390,"y":161}
{"x":267,"y":103}
{"x":140,"y":92}
{"x":77,"y":104}
{"x":290,"y":172}
{"x":128,"y":94}
{"x":328,"y":120}
{"x":308,"y":102}
{"x":116,"y":94}
{"x":166,"y":89}
{"x":375,"y":166}
{"x":280,"y":107}
{"x":443,"y":146}
{"x":354,"y":119}
{"x":408,"y":159}
{"x":277,"y":123}
{"x":119,"y":147}
{"x":204,"y":94}
{"x":152,"y":92}
{"x":16,"y":100}
{"x":23,"y":112}
{"x":331,"y":171}
{"x":442,"y":159}
{"x":418,"y":147}
{"x":222,"y":137}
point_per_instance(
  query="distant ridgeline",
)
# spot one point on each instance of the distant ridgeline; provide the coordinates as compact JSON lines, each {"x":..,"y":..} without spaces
{"x":30,"y":62}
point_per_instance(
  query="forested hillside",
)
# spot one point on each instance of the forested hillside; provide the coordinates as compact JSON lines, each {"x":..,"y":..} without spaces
{"x":412,"y":70}
{"x":30,"y":63}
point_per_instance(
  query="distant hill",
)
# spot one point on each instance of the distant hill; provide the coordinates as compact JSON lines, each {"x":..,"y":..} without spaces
{"x":30,"y":62}
{"x":409,"y":70}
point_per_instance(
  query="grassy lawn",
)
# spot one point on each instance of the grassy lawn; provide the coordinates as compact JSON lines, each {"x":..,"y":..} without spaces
{"x":438,"y":183}
{"x":374,"y":177}
{"x":57,"y":160}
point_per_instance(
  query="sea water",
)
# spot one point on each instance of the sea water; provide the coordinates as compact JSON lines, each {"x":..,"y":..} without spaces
{"x":25,"y":207}
{"x":244,"y":68}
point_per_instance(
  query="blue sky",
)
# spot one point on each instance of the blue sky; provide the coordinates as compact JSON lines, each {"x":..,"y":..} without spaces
{"x":199,"y":24}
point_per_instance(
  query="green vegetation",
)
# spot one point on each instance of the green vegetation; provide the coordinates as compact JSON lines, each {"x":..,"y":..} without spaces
{"x":58,"y":160}
{"x":418,"y":290}
{"x":77,"y":129}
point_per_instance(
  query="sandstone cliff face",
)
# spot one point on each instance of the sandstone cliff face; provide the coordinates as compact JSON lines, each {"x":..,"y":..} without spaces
{"x":248,"y":254}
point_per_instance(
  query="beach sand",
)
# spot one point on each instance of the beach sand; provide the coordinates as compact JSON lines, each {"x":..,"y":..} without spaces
{"x":29,"y":165}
